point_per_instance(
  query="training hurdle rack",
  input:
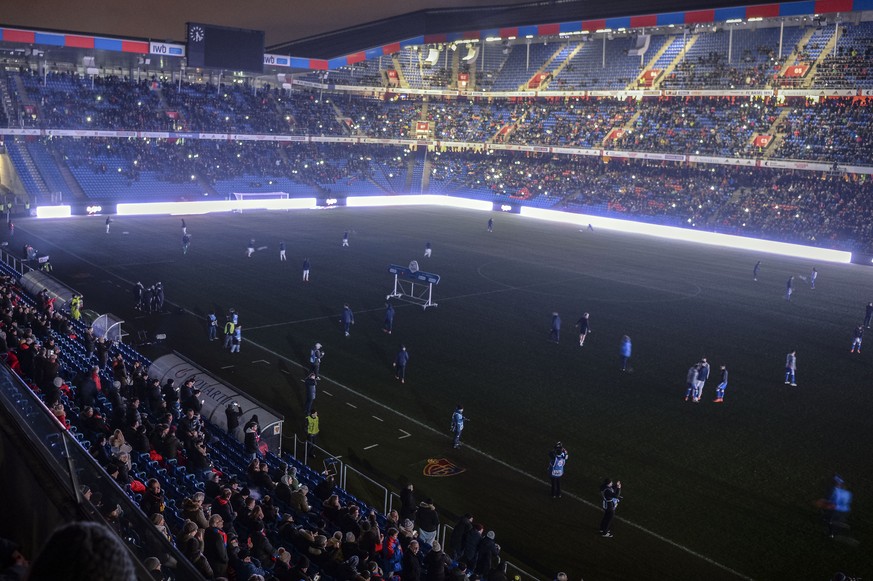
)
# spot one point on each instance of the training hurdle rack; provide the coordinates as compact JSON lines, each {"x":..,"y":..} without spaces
{"x":412,"y":285}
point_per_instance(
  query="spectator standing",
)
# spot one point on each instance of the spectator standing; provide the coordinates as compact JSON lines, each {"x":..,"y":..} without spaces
{"x":233,"y":413}
{"x":427,"y":521}
{"x":459,"y":536}
{"x":252,"y":432}
{"x":407,"y":502}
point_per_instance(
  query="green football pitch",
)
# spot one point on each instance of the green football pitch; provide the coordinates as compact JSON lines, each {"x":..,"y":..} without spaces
{"x":711,"y":491}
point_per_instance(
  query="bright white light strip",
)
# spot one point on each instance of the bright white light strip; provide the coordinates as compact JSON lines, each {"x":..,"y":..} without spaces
{"x":710,"y":238}
{"x":151,"y":208}
{"x":53,"y":212}
{"x":418,"y":200}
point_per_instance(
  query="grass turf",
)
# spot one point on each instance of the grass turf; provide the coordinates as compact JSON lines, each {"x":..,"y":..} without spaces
{"x":732,"y":482}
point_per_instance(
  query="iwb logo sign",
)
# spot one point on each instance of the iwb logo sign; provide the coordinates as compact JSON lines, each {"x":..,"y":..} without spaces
{"x":506,"y":208}
{"x":167,"y":49}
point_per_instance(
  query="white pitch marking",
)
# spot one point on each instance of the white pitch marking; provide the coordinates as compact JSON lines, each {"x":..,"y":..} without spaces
{"x":405,"y":434}
{"x":351,"y":405}
{"x":325,"y":392}
{"x":378,"y":419}
{"x":371,"y":446}
{"x":227,"y":366}
{"x":261,"y":361}
{"x":285,"y":372}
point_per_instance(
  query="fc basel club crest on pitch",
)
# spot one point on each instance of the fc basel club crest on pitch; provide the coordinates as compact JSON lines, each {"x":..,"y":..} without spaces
{"x":439,"y":467}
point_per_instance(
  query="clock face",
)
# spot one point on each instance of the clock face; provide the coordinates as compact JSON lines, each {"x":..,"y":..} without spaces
{"x":196,"y":33}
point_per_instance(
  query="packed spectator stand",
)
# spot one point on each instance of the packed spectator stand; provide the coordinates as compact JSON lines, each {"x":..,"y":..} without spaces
{"x":226,"y":504}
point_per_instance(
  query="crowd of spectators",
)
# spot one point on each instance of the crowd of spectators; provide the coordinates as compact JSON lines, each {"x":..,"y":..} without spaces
{"x":832,"y":129}
{"x":820,"y":208}
{"x":713,"y":71}
{"x":837,"y":130}
{"x":264,"y":520}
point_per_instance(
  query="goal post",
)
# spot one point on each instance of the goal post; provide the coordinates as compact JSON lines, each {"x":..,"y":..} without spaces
{"x":413,"y":285}
{"x":259,"y":200}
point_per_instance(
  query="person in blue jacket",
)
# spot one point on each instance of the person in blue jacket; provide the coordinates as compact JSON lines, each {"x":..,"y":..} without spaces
{"x":457,"y":425}
{"x":388,"y":325}
{"x":625,"y":351}
{"x":348,"y":319}
{"x":400,"y":364}
{"x":555,"y":331}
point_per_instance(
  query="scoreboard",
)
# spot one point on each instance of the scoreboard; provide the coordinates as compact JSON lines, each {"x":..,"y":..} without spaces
{"x":220,"y":47}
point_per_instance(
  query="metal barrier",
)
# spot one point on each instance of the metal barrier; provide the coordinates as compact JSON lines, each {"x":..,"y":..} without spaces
{"x":365,"y":497}
{"x":14,"y":262}
{"x":518,"y":574}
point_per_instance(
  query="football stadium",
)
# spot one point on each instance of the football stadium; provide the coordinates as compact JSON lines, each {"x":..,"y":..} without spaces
{"x":536,"y":291}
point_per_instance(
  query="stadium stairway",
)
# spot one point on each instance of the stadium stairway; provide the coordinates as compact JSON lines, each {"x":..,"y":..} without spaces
{"x":560,"y":52}
{"x":561,"y":66}
{"x":828,"y":49}
{"x":639,"y":81}
{"x":6,"y":100}
{"x":778,"y":137}
{"x":401,"y":79}
{"x":680,"y":56}
{"x":628,"y":126}
{"x":792,"y":58}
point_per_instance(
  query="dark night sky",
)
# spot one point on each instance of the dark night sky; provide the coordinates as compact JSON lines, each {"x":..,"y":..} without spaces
{"x":283,"y":20}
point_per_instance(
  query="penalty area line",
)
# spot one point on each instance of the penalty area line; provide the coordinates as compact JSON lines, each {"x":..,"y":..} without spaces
{"x":509,"y":466}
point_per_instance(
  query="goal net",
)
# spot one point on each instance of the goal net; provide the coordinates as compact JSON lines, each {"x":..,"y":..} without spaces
{"x":259,"y":200}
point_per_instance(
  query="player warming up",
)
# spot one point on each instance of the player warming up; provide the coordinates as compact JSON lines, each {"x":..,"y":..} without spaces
{"x":346,"y":239}
{"x":791,"y":369}
{"x":857,"y":335}
{"x":584,"y":328}
{"x":722,"y":385}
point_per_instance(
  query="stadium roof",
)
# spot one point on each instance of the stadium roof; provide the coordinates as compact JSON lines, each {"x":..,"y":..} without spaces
{"x":129,"y":29}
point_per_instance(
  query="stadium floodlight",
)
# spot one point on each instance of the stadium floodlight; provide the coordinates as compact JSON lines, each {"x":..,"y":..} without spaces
{"x":696,"y":236}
